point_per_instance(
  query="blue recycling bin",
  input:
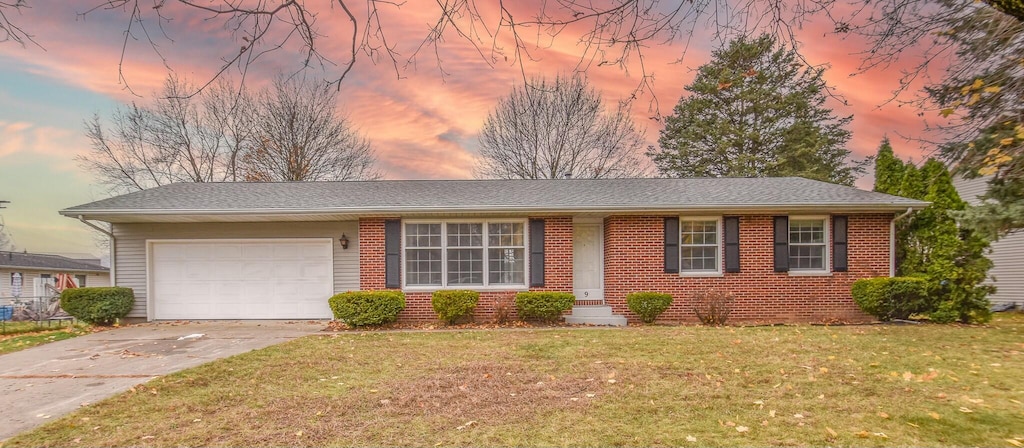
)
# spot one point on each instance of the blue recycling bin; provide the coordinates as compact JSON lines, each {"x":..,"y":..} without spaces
{"x":6,"y":312}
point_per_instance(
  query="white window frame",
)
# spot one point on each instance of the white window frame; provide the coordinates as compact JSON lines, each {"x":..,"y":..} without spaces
{"x":486,"y":286}
{"x":720,"y":241}
{"x":827,"y":242}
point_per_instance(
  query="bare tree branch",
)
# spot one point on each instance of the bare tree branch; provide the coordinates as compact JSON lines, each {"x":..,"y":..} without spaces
{"x":550,"y":130}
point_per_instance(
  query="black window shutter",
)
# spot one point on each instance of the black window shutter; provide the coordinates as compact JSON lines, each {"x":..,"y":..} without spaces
{"x":392,"y":253}
{"x":839,"y":238}
{"x":536,"y":252}
{"x":672,"y":245}
{"x":781,"y":244}
{"x":732,"y":244}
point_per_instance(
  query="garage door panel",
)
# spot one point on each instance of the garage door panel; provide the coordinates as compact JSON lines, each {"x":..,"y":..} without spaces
{"x":244,"y":279}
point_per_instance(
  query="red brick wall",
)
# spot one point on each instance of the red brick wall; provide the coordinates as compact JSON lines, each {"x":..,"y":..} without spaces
{"x":634,"y":262}
{"x":557,"y":269}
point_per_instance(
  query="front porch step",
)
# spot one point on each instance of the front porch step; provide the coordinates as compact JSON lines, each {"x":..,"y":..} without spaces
{"x":595,"y":315}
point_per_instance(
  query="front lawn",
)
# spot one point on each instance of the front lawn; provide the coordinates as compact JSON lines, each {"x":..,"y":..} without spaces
{"x":793,"y":385}
{"x":21,"y":335}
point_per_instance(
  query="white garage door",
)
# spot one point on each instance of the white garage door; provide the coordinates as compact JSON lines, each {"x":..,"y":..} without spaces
{"x":242,"y":279}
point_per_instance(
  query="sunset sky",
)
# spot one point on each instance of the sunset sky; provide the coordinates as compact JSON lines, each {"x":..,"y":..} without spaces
{"x":423,"y":126}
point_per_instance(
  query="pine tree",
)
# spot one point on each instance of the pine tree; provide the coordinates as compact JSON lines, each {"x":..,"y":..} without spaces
{"x":753,"y":111}
{"x":930,"y":243}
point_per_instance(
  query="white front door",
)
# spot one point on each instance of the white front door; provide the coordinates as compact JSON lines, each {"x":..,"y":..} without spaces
{"x":588,"y":261}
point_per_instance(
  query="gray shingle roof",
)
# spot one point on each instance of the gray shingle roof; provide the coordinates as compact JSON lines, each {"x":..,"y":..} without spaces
{"x":46,"y":261}
{"x":492,"y":195}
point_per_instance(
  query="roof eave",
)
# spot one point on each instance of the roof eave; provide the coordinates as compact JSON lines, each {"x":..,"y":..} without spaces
{"x":342,"y":211}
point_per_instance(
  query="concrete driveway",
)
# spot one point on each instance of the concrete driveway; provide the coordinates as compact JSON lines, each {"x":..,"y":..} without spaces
{"x":43,"y":383}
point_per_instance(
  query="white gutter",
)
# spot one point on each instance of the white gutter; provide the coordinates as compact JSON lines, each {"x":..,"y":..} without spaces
{"x":892,"y":240}
{"x":113,"y":248}
{"x":842,"y":206}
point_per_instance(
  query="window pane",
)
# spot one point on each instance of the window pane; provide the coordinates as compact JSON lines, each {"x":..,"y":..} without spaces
{"x":811,"y":257}
{"x":807,"y":231}
{"x":699,"y":245}
{"x":505,"y":234}
{"x":466,"y":234}
{"x":505,"y":266}
{"x":423,"y":266}
{"x":699,"y":258}
{"x":465,"y":266}
{"x":423,"y":235}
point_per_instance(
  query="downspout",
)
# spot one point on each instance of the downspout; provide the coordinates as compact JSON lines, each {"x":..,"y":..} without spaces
{"x":892,"y":240}
{"x":113,"y":247}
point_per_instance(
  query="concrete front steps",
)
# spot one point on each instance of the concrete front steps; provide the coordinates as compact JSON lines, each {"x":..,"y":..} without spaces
{"x":595,"y":315}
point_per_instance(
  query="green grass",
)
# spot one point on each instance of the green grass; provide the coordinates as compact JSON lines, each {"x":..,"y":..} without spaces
{"x":22,"y":335}
{"x":793,"y":385}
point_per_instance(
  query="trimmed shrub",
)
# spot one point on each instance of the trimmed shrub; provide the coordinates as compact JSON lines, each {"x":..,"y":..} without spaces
{"x":97,"y":305}
{"x":713,"y":306}
{"x":454,"y":304}
{"x":648,"y":305}
{"x":361,"y":308}
{"x":891,"y":297}
{"x":544,"y":305}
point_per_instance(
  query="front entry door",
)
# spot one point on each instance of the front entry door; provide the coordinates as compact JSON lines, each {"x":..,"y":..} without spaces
{"x":588,"y":261}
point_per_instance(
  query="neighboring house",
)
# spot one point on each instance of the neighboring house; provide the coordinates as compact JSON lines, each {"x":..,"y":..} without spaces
{"x":19,"y":272}
{"x":1007,"y":254}
{"x":788,"y":248}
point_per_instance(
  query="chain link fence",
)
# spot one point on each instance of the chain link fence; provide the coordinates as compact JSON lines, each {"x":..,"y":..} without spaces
{"x":19,"y":313}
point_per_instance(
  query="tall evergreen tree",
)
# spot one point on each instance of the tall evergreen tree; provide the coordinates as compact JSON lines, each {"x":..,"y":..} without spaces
{"x":930,"y":242}
{"x":755,"y":110}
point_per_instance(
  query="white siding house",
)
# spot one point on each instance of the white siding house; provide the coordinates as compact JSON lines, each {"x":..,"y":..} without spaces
{"x":1007,"y":253}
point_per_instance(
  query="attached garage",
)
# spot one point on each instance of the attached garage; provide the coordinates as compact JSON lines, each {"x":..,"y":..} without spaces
{"x":266,"y":278}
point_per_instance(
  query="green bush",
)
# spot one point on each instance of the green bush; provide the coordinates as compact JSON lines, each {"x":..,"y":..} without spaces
{"x":891,"y":297}
{"x":361,"y":308}
{"x":543,"y":305}
{"x":648,"y":305}
{"x":99,"y":306}
{"x":454,"y":304}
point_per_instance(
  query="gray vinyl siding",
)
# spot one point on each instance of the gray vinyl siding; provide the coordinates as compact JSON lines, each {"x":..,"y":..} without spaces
{"x":130,"y":247}
{"x":1007,"y":253}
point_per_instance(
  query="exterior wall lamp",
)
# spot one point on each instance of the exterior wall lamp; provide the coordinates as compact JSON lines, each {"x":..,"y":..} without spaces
{"x":344,"y":241}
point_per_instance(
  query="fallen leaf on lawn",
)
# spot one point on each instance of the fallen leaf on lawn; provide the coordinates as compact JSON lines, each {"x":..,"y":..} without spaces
{"x":935,"y":415}
{"x":468,"y":424}
{"x":1014,"y":442}
{"x":823,"y":370}
{"x":965,"y":410}
{"x":742,"y":429}
{"x":384,"y":401}
{"x":730,"y":424}
{"x":691,"y":439}
{"x":590,"y":395}
{"x":771,"y":413}
{"x":574,"y":399}
{"x":298,"y":434}
{"x":798,"y":416}
{"x":611,"y":381}
{"x":196,"y":420}
{"x":881,"y":434}
{"x":883,"y":415}
{"x":77,"y":440}
{"x":911,"y":424}
{"x":907,"y":376}
{"x":148,"y":437}
{"x":373,"y":391}
{"x":831,"y":432}
{"x":764,"y":422}
{"x":863,"y":434}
